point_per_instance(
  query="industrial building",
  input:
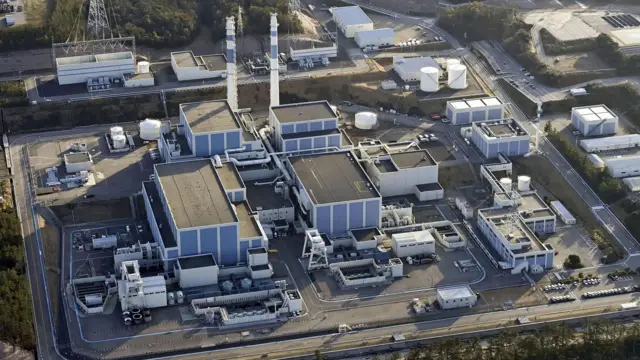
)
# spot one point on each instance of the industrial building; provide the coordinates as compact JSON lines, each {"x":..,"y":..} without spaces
{"x":414,"y":243}
{"x":610,"y":143}
{"x":408,"y":69}
{"x":503,"y":136}
{"x":623,"y":166}
{"x":191,"y":213}
{"x":305,"y":126}
{"x":402,"y":169}
{"x":78,"y":161}
{"x":314,"y":51}
{"x":79,"y":69}
{"x":375,"y":38}
{"x":335,"y":193}
{"x":456,"y":297}
{"x":351,"y":19}
{"x":562,"y":212}
{"x":461,"y":112}
{"x":594,"y":120}
{"x":187,"y":66}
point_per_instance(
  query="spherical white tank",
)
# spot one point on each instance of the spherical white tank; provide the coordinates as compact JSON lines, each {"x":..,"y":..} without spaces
{"x":452,"y":61}
{"x":143,"y":67}
{"x":524,"y":183}
{"x":119,"y":141}
{"x":457,"y":76}
{"x":429,"y":79}
{"x":506,"y":184}
{"x":150,"y":129}
{"x":116,"y":130}
{"x":366,"y":120}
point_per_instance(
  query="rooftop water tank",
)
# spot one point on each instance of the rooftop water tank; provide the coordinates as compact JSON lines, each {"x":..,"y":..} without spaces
{"x":119,"y":141}
{"x":429,"y":79}
{"x":143,"y":67}
{"x":506,"y":184}
{"x":116,"y":130}
{"x":150,"y":129}
{"x":457,"y":76}
{"x":524,"y":183}
{"x":366,"y":120}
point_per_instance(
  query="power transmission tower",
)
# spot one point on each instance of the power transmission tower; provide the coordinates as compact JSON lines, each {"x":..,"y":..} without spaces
{"x":98,"y":21}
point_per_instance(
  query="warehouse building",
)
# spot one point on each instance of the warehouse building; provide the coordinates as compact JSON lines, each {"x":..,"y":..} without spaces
{"x":503,"y":136}
{"x":414,"y":243}
{"x":305,"y":126}
{"x":351,"y":19}
{"x":79,"y":69}
{"x":517,"y":247}
{"x":311,"y":50}
{"x":461,"y":112}
{"x":190,"y":213}
{"x":456,"y":297}
{"x":401,"y":169}
{"x":563,"y":212}
{"x":335,"y":193}
{"x":408,"y":69}
{"x":594,"y":120}
{"x":623,"y":166}
{"x":187,"y":66}
{"x":206,"y":128}
{"x":376,"y":37}
{"x":610,"y":143}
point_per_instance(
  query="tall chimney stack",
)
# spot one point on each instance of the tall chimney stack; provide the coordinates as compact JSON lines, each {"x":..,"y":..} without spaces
{"x":275,"y":76}
{"x":232,"y":84}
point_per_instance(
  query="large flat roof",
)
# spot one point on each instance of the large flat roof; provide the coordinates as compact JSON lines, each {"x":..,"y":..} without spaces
{"x":351,"y":15}
{"x":413,"y":159}
{"x":230,"y":177}
{"x":455,"y":292}
{"x":333,"y":177}
{"x":305,"y":44}
{"x":262,"y":197}
{"x":307,"y":111}
{"x":184,"y":59}
{"x":595,"y":113}
{"x":474,"y":103}
{"x":195,"y":194}
{"x":215,"y":62}
{"x":209,"y":116}
{"x":414,"y":64}
{"x":79,"y":157}
{"x":626,"y":37}
{"x":247,"y":223}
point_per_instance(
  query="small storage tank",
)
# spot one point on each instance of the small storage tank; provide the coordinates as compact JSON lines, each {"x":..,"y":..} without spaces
{"x":179,"y":297}
{"x":457,"y":76}
{"x":246,"y":283}
{"x":506,"y":184}
{"x":171,"y":298}
{"x":150,"y":129}
{"x":137,"y":318}
{"x":143,"y":67}
{"x":366,"y":120}
{"x":429,"y":79}
{"x":524,"y":183}
{"x":119,"y":141}
{"x":93,"y":299}
{"x":452,"y":61}
{"x":116,"y":130}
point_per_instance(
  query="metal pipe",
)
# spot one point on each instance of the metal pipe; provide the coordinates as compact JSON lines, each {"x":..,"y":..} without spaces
{"x":226,"y":152}
{"x":268,"y":182}
{"x":251,"y":162}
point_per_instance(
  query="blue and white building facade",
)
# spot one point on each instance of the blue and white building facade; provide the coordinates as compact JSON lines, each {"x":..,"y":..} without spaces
{"x":305,"y":126}
{"x":504,"y":136}
{"x":461,"y":112}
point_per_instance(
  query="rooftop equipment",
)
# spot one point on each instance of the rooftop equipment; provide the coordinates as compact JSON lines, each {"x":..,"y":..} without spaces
{"x":506,"y":184}
{"x":143,"y":67}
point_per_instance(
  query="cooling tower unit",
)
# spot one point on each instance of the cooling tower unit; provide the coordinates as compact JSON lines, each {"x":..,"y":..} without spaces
{"x":429,"y":79}
{"x":457,"y":76}
{"x":366,"y":120}
{"x":150,"y":129}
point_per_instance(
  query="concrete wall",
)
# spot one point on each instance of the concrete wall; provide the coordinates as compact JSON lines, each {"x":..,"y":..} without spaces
{"x":403,"y":182}
{"x":220,"y":240}
{"x":310,"y":143}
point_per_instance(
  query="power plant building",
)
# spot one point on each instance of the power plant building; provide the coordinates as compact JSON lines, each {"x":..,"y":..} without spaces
{"x":305,"y":126}
{"x":187,"y":66}
{"x":594,"y":120}
{"x":335,"y":192}
{"x":190,"y":213}
{"x":456,"y":297}
{"x":409,"y":68}
{"x":610,"y":143}
{"x":461,"y":112}
{"x":79,"y":69}
{"x":351,"y":19}
{"x":312,"y":50}
{"x":503,"y":136}
{"x":375,"y":37}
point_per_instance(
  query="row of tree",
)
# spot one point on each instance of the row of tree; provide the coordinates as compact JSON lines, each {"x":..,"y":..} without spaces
{"x":609,"y":51}
{"x":553,"y":46}
{"x":16,"y":321}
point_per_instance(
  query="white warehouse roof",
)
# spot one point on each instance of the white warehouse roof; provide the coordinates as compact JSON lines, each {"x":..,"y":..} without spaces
{"x":351,"y":15}
{"x":375,"y":33}
{"x":595,"y":113}
{"x":455,"y":292}
{"x":622,"y":161}
{"x":633,"y":183}
{"x":414,"y":64}
{"x":475,"y":103}
{"x":562,"y":211}
{"x":611,"y":142}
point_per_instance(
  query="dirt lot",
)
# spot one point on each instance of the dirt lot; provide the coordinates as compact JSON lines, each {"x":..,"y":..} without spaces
{"x":578,"y":62}
{"x":50,"y":235}
{"x":15,"y":61}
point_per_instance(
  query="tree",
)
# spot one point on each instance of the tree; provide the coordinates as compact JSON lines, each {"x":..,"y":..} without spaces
{"x":319,"y":355}
{"x":573,"y":262}
{"x":548,"y":128}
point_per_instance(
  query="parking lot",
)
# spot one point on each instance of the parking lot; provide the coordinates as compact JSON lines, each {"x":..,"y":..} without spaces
{"x":574,"y":240}
{"x":116,"y":175}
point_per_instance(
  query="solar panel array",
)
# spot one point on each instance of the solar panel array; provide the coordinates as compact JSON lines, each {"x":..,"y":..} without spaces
{"x":621,"y":21}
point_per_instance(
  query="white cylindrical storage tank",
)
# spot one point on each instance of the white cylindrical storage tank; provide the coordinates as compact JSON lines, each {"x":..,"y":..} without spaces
{"x":596,"y":160}
{"x":150,"y":129}
{"x":366,"y":120}
{"x":457,"y":76}
{"x":524,"y":183}
{"x":452,"y":61}
{"x":429,"y":79}
{"x":116,"y":130}
{"x":143,"y":67}
{"x":506,"y":184}
{"x":119,"y":141}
